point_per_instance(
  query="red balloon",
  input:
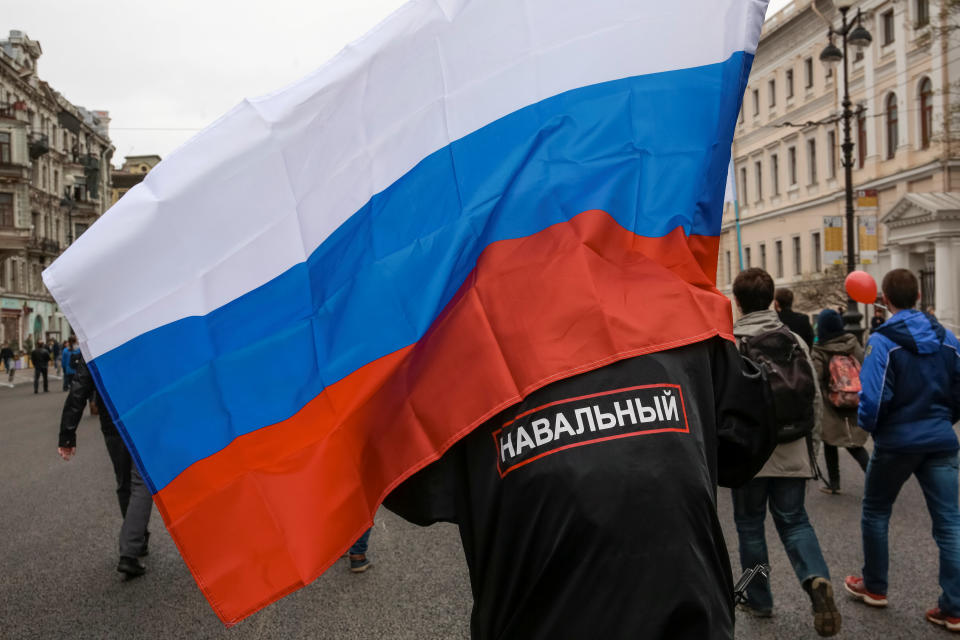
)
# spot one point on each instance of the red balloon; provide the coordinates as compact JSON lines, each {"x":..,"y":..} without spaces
{"x":861,"y":287}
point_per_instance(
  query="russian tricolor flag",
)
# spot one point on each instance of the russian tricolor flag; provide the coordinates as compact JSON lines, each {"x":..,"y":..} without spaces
{"x":324,"y":290}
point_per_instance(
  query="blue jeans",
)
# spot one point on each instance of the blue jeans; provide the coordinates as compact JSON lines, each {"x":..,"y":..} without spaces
{"x":360,"y":546}
{"x":937,"y":475}
{"x":785,"y":496}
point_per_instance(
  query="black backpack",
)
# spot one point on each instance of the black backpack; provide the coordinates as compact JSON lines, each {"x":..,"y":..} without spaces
{"x":790,"y":387}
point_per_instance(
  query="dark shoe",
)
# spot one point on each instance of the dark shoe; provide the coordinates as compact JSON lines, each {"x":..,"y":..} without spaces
{"x":855,"y":587}
{"x":826,"y":618}
{"x":756,"y":612}
{"x":359,"y":563}
{"x":940,"y":618}
{"x":131,"y":566}
{"x":832,"y":491}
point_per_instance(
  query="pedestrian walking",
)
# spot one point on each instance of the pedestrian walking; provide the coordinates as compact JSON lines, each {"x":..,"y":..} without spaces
{"x":70,"y":354}
{"x":781,"y":483}
{"x":878,"y":318}
{"x":796,"y":322}
{"x":909,"y":403}
{"x":55,"y":350}
{"x":134,"y":497}
{"x":40,"y":357}
{"x":6,"y":355}
{"x":358,"y":553}
{"x":837,"y":358}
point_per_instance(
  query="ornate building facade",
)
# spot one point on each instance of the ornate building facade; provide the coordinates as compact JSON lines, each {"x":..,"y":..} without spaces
{"x":906,"y":172}
{"x":54,"y":183}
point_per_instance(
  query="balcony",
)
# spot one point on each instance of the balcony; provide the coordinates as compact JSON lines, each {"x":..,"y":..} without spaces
{"x":15,"y":171}
{"x":38,"y":144}
{"x":13,"y":241}
{"x":44,"y":246}
{"x":14,"y":111}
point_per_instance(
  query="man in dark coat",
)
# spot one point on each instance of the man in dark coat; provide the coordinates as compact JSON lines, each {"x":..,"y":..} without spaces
{"x":6,"y":356}
{"x":136,"y":503}
{"x":796,"y":322}
{"x":588,"y":509}
{"x":41,"y":360}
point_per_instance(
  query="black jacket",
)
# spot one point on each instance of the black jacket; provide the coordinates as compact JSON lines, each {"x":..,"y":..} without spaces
{"x":589,"y":510}
{"x":40,"y":357}
{"x":82,"y":388}
{"x":5,"y":353}
{"x":799,"y":324}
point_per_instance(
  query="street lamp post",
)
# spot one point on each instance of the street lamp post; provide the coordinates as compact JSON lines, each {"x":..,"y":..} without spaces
{"x":853,"y":33}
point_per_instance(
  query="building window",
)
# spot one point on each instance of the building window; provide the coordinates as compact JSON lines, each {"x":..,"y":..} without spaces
{"x":729,"y":267}
{"x":817,"y":256}
{"x":923,"y":13}
{"x":758,"y":168}
{"x":756,"y":102}
{"x":892,"y":125}
{"x":775,"y":174}
{"x":797,"y":257}
{"x":772,"y":86}
{"x":763,"y":256}
{"x":926,"y":112}
{"x":4,"y":147}
{"x":812,"y":160}
{"x":861,"y":138}
{"x":746,"y":257}
{"x":831,"y":154}
{"x":779,"y":249}
{"x":808,"y":73}
{"x":886,"y":20}
{"x":742,"y":197}
{"x":6,"y":210}
{"x":789,"y":83}
{"x":792,"y":164}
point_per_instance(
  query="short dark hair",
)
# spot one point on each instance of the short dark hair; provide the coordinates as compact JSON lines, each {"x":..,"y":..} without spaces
{"x":753,"y":289}
{"x":784,"y":298}
{"x":901,"y":288}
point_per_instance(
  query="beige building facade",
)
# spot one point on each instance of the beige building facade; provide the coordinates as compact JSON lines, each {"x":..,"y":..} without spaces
{"x":54,"y":183}
{"x":906,"y":172}
{"x":132,"y":173}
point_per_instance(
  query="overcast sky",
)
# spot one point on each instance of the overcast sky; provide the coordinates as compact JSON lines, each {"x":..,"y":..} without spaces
{"x":167,"y":69}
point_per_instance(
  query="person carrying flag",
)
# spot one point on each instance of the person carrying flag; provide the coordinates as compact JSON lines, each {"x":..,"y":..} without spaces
{"x":589,"y":508}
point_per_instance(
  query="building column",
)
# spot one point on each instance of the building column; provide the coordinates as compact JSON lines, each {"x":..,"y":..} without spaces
{"x":899,"y":256}
{"x":947,"y":291}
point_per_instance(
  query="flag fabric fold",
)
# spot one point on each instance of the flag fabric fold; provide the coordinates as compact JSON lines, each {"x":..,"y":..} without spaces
{"x":320,"y":293}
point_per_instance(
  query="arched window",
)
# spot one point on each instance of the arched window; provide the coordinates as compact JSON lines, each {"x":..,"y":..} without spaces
{"x":926,"y":112}
{"x":892,"y":129}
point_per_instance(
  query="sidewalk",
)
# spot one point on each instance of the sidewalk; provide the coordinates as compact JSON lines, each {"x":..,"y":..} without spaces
{"x":25,"y":376}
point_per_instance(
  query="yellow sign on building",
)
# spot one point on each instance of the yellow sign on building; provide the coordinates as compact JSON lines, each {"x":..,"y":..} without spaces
{"x":833,"y":239}
{"x":867,"y":237}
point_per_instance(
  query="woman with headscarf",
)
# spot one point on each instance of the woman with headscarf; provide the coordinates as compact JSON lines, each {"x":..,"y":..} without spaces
{"x":839,"y":418}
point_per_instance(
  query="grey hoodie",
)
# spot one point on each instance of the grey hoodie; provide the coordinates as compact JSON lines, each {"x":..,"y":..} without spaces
{"x":791,"y":459}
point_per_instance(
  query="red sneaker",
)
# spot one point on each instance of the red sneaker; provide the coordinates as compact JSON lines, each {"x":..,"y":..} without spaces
{"x":854,"y":587}
{"x":939,"y":617}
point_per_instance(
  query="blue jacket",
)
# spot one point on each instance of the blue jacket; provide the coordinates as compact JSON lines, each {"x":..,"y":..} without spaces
{"x":910,"y":384}
{"x":66,"y":360}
